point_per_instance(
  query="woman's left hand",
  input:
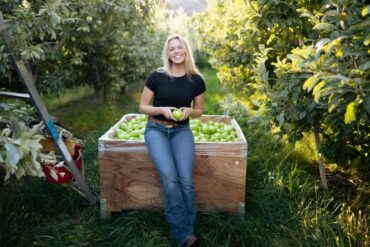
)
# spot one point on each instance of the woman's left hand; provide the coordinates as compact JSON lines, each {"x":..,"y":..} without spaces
{"x":186,"y":113}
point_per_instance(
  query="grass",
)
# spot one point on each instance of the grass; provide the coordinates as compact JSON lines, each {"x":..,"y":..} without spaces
{"x":79,"y":112}
{"x":214,"y":93}
{"x":284,"y":206}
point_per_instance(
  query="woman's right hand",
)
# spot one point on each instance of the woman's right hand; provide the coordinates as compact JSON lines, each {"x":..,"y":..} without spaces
{"x":167,"y":112}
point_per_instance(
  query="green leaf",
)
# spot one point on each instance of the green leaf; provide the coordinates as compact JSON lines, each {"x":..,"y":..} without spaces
{"x":365,"y":66}
{"x":367,"y":39}
{"x":55,"y":18}
{"x":359,"y":26}
{"x":310,"y":83}
{"x":35,"y":55}
{"x":339,"y":77}
{"x":350,"y":114}
{"x":322,"y":42}
{"x":302,"y":115}
{"x":256,"y":102}
{"x":339,"y":53}
{"x":12,"y":155}
{"x":317,"y":91}
{"x":6,"y":132}
{"x":280,"y":119}
{"x":334,"y":43}
{"x":323,"y":25}
{"x":306,"y":13}
{"x":19,"y":173}
{"x":54,"y":175}
{"x":367,"y":104}
{"x":332,"y":12}
{"x":365,"y":11}
{"x":333,"y":102}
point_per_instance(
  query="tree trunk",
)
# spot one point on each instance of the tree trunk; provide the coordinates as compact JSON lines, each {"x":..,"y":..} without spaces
{"x":2,"y":175}
{"x":98,"y":87}
{"x":106,"y":88}
{"x":324,"y":182}
{"x":98,"y":93}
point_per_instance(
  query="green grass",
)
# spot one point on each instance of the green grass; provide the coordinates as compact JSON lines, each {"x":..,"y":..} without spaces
{"x":80,"y":113}
{"x":214,"y":93}
{"x":284,"y":207}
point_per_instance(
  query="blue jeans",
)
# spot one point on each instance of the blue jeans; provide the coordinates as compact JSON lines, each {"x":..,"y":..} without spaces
{"x":172,"y":152}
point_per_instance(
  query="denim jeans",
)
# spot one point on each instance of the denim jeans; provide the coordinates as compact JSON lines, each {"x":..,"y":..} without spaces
{"x":172,"y":152}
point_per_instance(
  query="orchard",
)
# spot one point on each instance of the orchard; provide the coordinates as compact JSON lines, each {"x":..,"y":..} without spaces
{"x":294,"y":74}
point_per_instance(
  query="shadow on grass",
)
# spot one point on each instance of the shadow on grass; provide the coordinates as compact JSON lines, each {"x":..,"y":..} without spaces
{"x":33,"y":212}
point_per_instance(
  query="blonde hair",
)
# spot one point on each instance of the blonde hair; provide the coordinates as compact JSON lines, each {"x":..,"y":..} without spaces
{"x":190,"y":67}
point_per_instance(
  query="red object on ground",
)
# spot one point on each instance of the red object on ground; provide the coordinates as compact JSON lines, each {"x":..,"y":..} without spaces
{"x":63,"y":174}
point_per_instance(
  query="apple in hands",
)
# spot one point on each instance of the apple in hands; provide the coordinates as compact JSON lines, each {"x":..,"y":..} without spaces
{"x":167,"y":112}
{"x":177,"y":114}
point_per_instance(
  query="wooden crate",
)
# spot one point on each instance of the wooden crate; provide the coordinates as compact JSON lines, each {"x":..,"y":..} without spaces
{"x":128,"y":179}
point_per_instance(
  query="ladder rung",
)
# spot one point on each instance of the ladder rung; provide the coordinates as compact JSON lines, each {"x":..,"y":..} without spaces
{"x":15,"y":95}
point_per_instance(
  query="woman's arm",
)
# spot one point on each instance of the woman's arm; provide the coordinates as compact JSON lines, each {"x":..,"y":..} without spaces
{"x":146,"y":105}
{"x":196,"y":110}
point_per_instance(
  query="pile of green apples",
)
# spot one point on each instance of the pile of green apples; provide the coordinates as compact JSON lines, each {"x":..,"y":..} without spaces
{"x":203,"y":132}
{"x":212,"y":131}
{"x":132,"y":129}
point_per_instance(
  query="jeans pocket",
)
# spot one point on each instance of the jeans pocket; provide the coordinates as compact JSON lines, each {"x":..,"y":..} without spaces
{"x":150,"y":125}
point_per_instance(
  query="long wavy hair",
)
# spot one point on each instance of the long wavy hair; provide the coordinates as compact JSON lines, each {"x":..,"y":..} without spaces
{"x":190,"y":67}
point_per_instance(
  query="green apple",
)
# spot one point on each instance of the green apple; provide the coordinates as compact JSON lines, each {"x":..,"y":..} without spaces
{"x":132,"y":129}
{"x":177,"y":114}
{"x":210,"y":131}
{"x":205,"y":129}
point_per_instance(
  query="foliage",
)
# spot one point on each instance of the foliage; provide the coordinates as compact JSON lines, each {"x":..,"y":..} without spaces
{"x":34,"y":32}
{"x":302,"y":64}
{"x":243,"y":25}
{"x":115,"y":43}
{"x":339,"y":75}
{"x":68,"y":43}
{"x":334,"y":70}
{"x":20,"y":146}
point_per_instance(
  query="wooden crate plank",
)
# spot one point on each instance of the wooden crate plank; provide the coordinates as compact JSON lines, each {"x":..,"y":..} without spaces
{"x":129,"y":180}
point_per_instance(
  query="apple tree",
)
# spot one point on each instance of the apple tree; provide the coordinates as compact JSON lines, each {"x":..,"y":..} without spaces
{"x":68,"y":43}
{"x":302,"y":64}
{"x":244,"y":25}
{"x":112,"y":43}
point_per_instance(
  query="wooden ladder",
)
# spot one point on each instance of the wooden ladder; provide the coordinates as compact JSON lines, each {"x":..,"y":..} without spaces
{"x":79,"y":182}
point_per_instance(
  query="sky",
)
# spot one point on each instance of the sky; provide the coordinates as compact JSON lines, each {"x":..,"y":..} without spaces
{"x":190,"y":6}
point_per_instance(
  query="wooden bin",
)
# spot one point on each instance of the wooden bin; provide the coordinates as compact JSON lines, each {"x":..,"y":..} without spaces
{"x":128,"y":179}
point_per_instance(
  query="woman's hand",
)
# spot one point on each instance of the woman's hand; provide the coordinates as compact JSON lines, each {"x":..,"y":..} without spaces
{"x":186,"y":113}
{"x":167,"y":112}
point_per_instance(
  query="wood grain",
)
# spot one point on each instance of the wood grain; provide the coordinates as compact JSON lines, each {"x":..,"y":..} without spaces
{"x":128,"y":179}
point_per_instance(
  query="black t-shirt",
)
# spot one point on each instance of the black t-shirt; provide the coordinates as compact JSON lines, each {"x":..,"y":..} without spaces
{"x":175,"y":92}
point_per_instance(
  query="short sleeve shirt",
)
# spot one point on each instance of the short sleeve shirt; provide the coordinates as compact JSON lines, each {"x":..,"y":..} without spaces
{"x":174,"y":92}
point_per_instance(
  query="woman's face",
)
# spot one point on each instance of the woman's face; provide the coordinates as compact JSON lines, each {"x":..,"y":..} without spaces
{"x":176,"y":51}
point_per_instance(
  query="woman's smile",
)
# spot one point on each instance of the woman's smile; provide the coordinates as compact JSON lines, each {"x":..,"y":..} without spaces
{"x":176,"y":52}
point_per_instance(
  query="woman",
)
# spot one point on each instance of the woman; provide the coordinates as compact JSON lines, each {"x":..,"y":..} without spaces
{"x":178,"y":84}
